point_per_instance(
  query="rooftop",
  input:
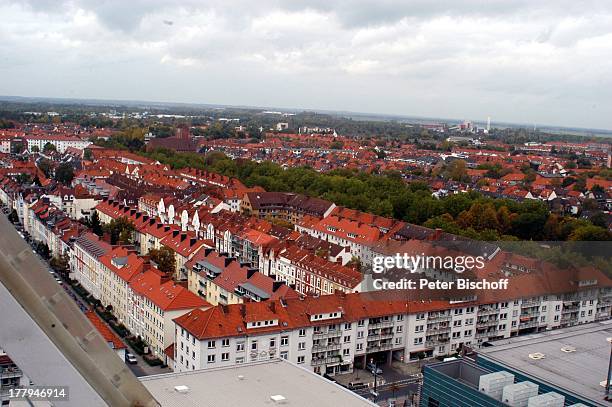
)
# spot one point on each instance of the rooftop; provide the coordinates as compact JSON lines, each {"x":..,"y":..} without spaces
{"x":252,"y":384}
{"x":575,"y":359}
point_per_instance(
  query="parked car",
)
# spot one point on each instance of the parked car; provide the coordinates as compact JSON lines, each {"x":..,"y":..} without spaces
{"x":357,"y":386}
{"x":131,"y":359}
{"x":371,"y":367}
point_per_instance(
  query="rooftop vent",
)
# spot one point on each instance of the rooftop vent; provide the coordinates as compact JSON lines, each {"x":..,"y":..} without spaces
{"x":279,"y":399}
{"x":181,"y":389}
{"x":537,"y":356}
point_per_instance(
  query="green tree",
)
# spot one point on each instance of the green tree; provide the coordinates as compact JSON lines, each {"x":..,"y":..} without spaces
{"x":95,"y":224}
{"x":164,"y":258}
{"x":64,"y":173}
{"x":13,"y":217}
{"x":49,"y":148}
{"x":121,"y":230}
{"x":590,"y":233}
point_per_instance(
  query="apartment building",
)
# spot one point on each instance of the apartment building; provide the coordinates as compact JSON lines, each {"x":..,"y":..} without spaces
{"x":224,"y":280}
{"x":333,"y":333}
{"x":154,"y":301}
{"x":85,"y":262}
{"x":61,"y":142}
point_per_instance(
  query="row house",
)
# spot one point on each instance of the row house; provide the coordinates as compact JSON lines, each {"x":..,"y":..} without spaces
{"x":184,"y":245}
{"x":357,"y":236}
{"x":51,"y":226}
{"x":224,"y":280}
{"x":76,"y":202}
{"x":142,"y":298}
{"x":308,"y":272}
{"x":284,"y":206}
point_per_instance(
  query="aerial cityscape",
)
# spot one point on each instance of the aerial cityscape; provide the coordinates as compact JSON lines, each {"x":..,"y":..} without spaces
{"x":186,"y":220}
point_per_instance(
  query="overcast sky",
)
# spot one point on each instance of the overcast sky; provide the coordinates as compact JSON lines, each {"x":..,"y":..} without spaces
{"x":524,"y":61}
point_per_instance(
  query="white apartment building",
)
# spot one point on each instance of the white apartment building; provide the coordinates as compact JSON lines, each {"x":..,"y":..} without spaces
{"x":332,"y":334}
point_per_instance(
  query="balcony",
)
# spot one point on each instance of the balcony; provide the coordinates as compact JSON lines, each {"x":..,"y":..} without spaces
{"x":601,"y":315}
{"x":336,"y":333}
{"x":487,"y":311}
{"x":10,"y":372}
{"x":382,"y":324}
{"x":324,"y":348}
{"x":570,"y":309}
{"x":532,"y":313}
{"x":530,"y":324}
{"x":530,"y":304}
{"x":382,"y":335}
{"x":380,"y":347}
{"x":439,"y":318}
{"x":439,"y":330}
{"x":487,"y":322}
{"x":326,"y":361}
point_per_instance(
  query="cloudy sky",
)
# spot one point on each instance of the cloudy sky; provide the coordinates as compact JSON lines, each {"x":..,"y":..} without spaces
{"x":525,"y":61}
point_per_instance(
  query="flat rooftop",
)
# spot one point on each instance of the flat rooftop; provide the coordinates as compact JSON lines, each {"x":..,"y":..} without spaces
{"x":575,"y":359}
{"x":250,"y":384}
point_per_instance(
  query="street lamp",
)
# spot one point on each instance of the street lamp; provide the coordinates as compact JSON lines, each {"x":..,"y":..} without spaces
{"x":374,"y":371}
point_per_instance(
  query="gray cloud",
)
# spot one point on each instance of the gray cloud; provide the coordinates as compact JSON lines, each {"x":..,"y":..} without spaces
{"x":525,"y":61}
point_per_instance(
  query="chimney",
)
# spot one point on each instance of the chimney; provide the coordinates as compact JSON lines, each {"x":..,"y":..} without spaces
{"x":276,"y":285}
{"x":437,"y":233}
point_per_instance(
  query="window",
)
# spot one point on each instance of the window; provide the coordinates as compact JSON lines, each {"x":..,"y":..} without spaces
{"x":192,"y":355}
{"x":301,"y":345}
{"x":458,"y":311}
{"x":457,"y":323}
{"x":302,"y":332}
{"x":347,"y":339}
{"x":399,"y":329}
{"x":211,"y":344}
{"x":300,"y":360}
{"x":211,"y":359}
{"x":543,"y":318}
{"x":503,"y":316}
{"x":456,"y":335}
{"x":359,"y":334}
{"x":469,"y":310}
{"x":418,"y":341}
{"x":543,"y":308}
{"x":418,"y":328}
{"x":398,"y":341}
{"x":284,"y":341}
{"x":225,"y":343}
{"x":467,"y":332}
{"x":558,"y":307}
{"x":359,"y":346}
{"x":469,"y":321}
{"x":272,"y":342}
{"x":504,"y":305}
{"x":361,"y":322}
{"x":556,"y":318}
{"x":400,"y":318}
{"x":239,"y":360}
{"x":254,"y":345}
{"x":420,"y":317}
{"x":284,"y":355}
{"x":346,"y":352}
{"x":240,"y":347}
{"x":348,"y":326}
